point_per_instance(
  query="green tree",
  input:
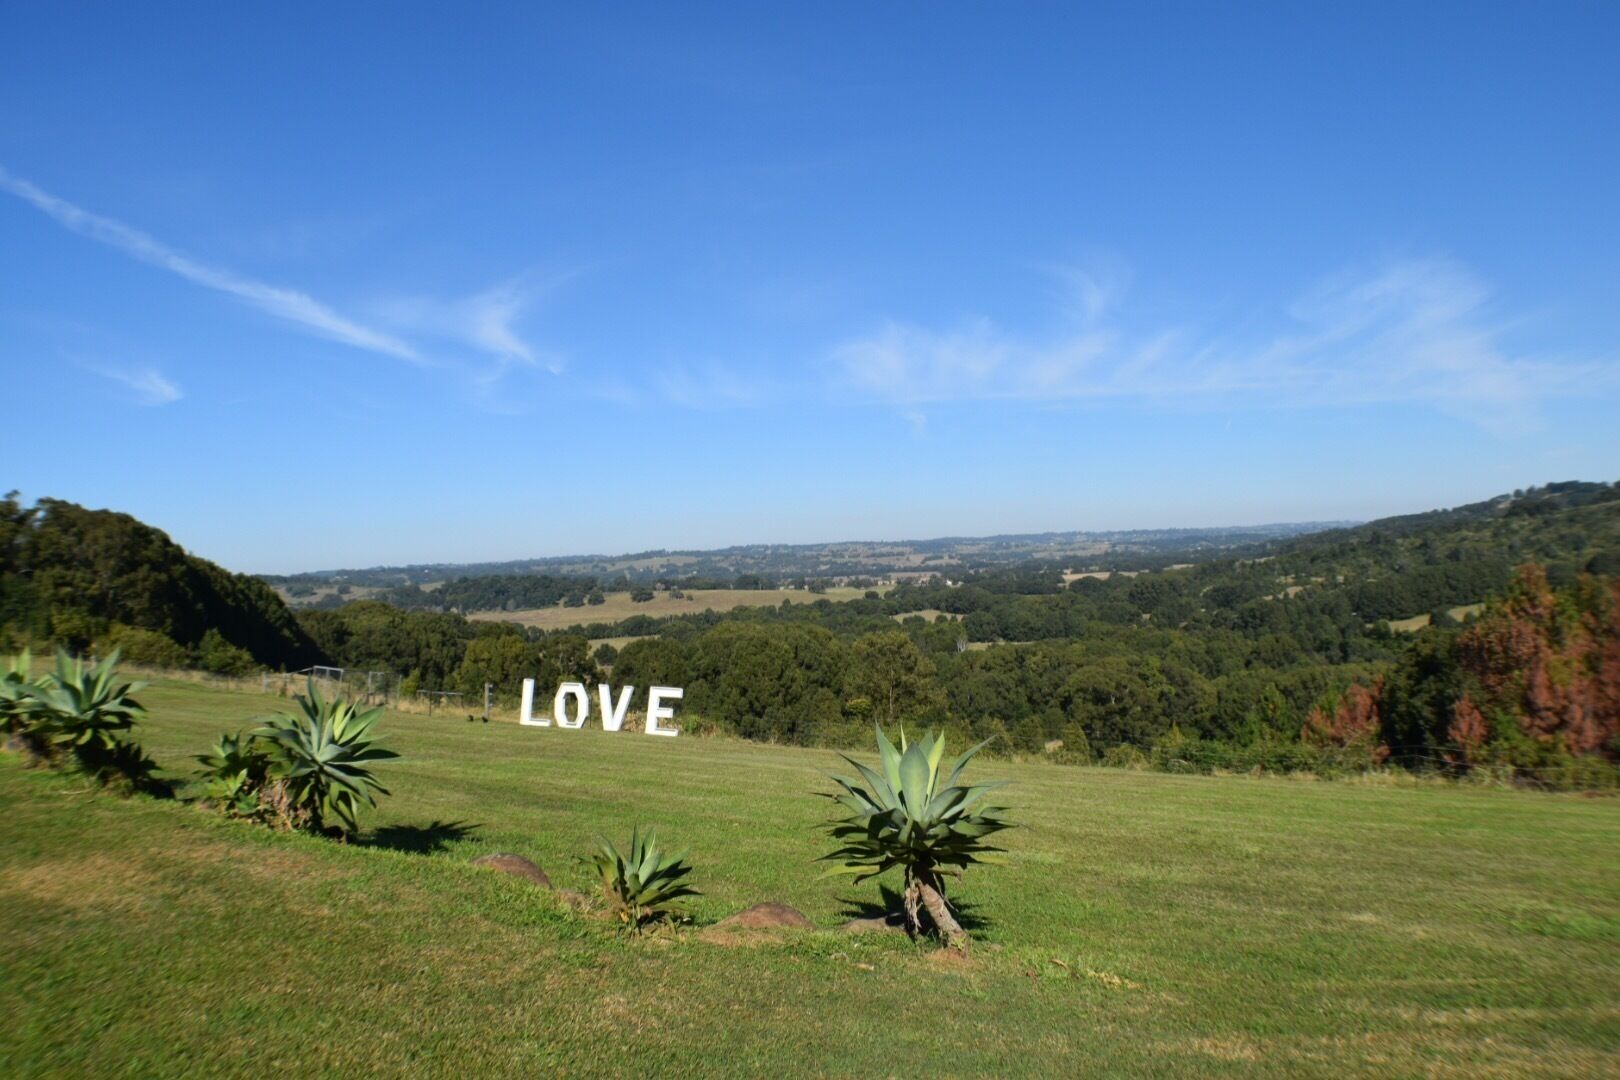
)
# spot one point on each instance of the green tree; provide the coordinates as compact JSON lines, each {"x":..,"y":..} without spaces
{"x":502,"y":659}
{"x":895,"y":676}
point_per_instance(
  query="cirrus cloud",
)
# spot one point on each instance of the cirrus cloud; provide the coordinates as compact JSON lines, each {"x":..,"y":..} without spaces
{"x":1418,"y":330}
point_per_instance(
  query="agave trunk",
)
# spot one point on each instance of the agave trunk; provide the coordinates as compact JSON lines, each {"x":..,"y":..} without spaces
{"x":926,"y":891}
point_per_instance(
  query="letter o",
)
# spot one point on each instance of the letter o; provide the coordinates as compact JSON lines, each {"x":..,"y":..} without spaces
{"x":559,"y":706}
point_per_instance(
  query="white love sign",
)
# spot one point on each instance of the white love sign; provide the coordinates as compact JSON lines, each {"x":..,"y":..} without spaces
{"x":572,"y":707}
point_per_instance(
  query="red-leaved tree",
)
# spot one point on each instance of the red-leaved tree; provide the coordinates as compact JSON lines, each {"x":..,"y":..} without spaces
{"x":1355,"y":723}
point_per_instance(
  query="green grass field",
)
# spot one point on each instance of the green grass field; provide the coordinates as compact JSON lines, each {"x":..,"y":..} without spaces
{"x":618,"y":606}
{"x":1418,"y":622}
{"x":1148,"y":925}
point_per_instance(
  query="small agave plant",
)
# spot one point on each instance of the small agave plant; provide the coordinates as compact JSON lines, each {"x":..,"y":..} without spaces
{"x":639,"y":884}
{"x":235,"y":772}
{"x":320,"y":760}
{"x":16,"y":695}
{"x":912,"y":813}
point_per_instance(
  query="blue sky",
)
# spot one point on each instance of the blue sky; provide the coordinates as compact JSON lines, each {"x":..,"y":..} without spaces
{"x":320,"y":285}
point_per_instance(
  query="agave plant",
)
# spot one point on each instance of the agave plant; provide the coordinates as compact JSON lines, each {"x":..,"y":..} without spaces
{"x":16,"y":694}
{"x":321,"y":757}
{"x":640,"y":884}
{"x":913,"y":814}
{"x":78,"y":708}
{"x":83,"y":712}
{"x":235,"y":772}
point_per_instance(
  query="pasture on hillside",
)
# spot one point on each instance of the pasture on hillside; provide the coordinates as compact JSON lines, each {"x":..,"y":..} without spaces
{"x":1146,"y":925}
{"x":618,"y":605}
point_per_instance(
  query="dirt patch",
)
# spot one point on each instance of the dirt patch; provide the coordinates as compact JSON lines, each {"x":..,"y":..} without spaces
{"x":947,"y":959}
{"x":516,"y":865}
{"x":1228,"y":1049}
{"x":92,"y":883}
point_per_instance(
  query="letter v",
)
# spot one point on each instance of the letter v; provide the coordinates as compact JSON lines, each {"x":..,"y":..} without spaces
{"x":613,"y":715}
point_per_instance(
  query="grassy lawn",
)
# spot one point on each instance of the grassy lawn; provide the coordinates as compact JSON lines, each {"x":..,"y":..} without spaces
{"x":618,"y":606}
{"x":1418,"y":622}
{"x":1147,"y":925}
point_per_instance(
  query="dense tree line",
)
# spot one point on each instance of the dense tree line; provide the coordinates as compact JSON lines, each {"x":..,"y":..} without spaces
{"x":503,"y":592}
{"x":1108,"y":687}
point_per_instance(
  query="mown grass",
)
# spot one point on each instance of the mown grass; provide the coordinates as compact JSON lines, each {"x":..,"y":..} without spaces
{"x":1148,"y":925}
{"x":617,"y":606}
{"x":1418,"y":622}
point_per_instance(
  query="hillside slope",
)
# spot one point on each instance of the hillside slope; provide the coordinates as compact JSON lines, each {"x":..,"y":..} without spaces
{"x":1146,"y":925}
{"x":69,"y":573}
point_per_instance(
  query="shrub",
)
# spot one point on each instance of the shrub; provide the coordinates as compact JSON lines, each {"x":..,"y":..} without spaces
{"x":1075,"y":748}
{"x":638,"y":886}
{"x":76,"y":629}
{"x":219,"y":656}
{"x":148,"y":647}
{"x":319,"y":761}
{"x":913,"y":814}
{"x":1124,"y":756}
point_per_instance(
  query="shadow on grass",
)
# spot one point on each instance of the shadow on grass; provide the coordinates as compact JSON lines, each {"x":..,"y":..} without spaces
{"x":892,"y":910}
{"x":418,"y":839}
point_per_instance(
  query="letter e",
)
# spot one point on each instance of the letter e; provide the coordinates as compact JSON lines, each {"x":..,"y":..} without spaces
{"x":657,"y":710}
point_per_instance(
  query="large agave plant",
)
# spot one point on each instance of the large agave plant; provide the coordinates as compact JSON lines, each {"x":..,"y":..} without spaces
{"x":912,"y":813}
{"x":82,"y":712}
{"x":80,"y":708}
{"x":321,"y":758}
{"x":640,"y":883}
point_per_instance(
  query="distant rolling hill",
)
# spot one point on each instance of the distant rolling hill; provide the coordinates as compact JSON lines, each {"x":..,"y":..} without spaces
{"x":779,"y":562}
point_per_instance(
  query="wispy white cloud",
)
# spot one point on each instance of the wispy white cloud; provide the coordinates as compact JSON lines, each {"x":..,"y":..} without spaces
{"x":283,"y":303}
{"x":148,"y":384}
{"x":1411,"y":331}
{"x":486,"y":321}
{"x":713,"y":386}
{"x":1088,"y":291}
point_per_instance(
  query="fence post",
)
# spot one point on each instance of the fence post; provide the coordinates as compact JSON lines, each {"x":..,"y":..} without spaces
{"x":488,"y":688}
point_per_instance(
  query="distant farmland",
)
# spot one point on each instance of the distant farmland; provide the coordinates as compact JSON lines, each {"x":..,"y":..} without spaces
{"x":618,"y":605}
{"x":1418,"y":622}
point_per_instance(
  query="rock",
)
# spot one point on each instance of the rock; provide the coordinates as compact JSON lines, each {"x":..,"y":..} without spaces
{"x":508,"y":863}
{"x":876,"y":924}
{"x":760,"y":924}
{"x":768,"y":916}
